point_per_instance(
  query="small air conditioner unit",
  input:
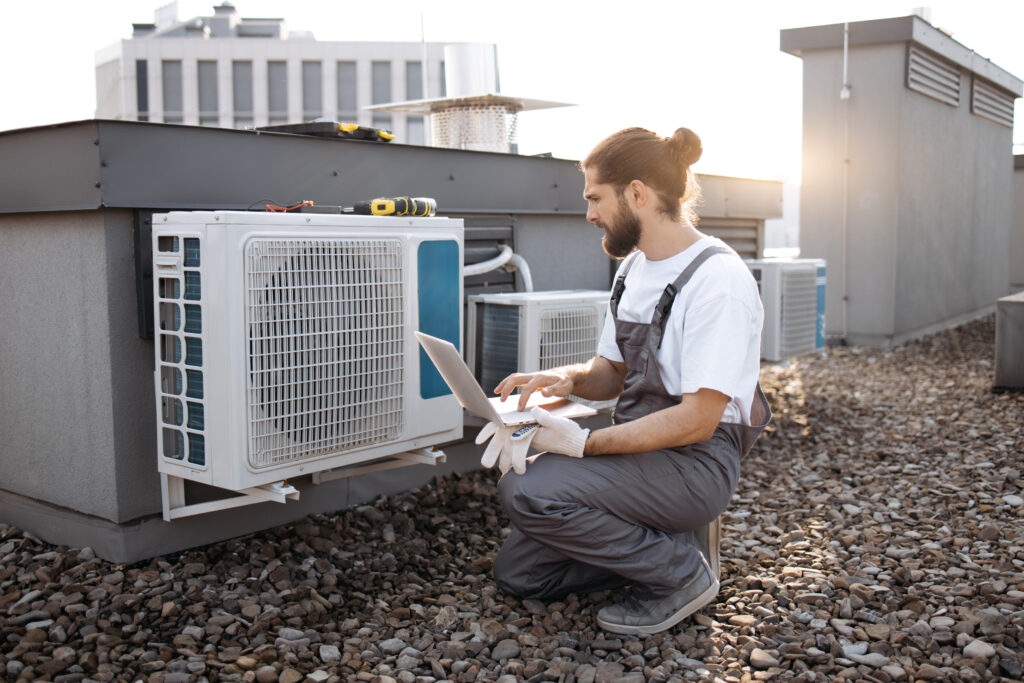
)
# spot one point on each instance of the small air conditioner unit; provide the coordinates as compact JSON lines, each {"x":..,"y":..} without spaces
{"x":284,"y":342}
{"x":531,"y":331}
{"x":793,"y":296}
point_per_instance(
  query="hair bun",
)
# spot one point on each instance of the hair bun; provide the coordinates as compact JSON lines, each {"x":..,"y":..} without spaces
{"x":686,"y":147}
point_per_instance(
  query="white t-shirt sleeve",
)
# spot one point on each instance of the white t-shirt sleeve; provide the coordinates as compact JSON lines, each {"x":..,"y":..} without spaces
{"x":716,"y":343}
{"x":606,"y":346}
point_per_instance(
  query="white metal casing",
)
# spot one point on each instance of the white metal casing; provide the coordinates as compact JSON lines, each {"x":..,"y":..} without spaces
{"x":531,"y":331}
{"x":303,"y":325}
{"x":793,"y":295}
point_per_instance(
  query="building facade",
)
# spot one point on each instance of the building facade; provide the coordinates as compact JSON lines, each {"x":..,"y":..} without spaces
{"x":230,"y":71}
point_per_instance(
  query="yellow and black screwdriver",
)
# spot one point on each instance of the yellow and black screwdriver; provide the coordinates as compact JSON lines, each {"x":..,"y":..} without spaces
{"x":394,"y":206}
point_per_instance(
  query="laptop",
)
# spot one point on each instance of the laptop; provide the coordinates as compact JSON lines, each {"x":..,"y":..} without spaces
{"x":471,"y":396}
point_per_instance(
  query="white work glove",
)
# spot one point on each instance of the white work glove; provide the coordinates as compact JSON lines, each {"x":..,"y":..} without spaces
{"x":508,"y":446}
{"x":559,"y":434}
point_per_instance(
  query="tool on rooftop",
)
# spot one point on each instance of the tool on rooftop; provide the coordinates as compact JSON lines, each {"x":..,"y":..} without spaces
{"x":394,"y":206}
{"x":333,"y":129}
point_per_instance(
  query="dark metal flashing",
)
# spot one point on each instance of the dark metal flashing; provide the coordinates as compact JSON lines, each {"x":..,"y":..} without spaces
{"x":130,"y":164}
{"x":1018,"y":161}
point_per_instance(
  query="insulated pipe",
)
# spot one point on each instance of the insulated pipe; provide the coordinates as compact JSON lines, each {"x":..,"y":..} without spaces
{"x":490,"y":264}
{"x":506,"y":260}
{"x":517,"y":262}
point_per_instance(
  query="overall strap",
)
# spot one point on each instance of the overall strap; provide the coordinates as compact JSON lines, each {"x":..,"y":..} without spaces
{"x":620,"y":284}
{"x":668,"y":297}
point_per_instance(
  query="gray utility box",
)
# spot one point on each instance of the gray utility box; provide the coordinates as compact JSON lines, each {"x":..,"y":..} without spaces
{"x":1010,"y":342}
{"x":907,"y":176}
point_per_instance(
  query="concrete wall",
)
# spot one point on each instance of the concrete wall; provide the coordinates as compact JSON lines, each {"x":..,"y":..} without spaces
{"x":75,"y":430}
{"x":927,"y":200}
{"x":1017,"y":233}
{"x":873,"y":180}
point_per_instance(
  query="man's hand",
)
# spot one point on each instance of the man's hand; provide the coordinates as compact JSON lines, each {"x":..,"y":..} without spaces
{"x":508,"y":446}
{"x":559,"y":434}
{"x":550,"y":383}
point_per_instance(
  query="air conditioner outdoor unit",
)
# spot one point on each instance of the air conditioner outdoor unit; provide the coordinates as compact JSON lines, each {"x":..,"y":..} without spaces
{"x":530,"y":331}
{"x":793,"y":296}
{"x":284,"y":342}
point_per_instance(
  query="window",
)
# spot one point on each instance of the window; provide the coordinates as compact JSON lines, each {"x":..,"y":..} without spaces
{"x":241,"y":88}
{"x":347,"y":110}
{"x":277,"y":92}
{"x":172,"y":90}
{"x":312,"y":91}
{"x":414,"y":91}
{"x":208,"y":102}
{"x":444,"y":82}
{"x":142,"y":89}
{"x":381,"y":92}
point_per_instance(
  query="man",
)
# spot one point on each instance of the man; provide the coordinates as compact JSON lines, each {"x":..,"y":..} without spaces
{"x":680,"y":350}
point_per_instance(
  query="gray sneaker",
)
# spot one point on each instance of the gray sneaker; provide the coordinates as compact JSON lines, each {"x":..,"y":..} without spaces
{"x":635,"y":616}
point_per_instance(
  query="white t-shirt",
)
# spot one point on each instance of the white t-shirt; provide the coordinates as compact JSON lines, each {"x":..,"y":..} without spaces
{"x":720,"y":346}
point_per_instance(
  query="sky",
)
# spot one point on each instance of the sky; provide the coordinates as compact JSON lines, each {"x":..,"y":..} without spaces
{"x":711,"y":65}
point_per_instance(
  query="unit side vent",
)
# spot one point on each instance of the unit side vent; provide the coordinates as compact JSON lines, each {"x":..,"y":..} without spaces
{"x":799,"y":311}
{"x":933,"y":76}
{"x":992,"y":103}
{"x":179,"y":308}
{"x":325,"y":329}
{"x":499,"y":344}
{"x":569,"y":336}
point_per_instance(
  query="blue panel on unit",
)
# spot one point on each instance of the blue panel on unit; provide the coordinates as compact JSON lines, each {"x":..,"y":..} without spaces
{"x":440,"y":304}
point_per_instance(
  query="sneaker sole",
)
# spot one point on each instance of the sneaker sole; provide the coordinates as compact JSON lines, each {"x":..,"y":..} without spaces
{"x":700,"y":601}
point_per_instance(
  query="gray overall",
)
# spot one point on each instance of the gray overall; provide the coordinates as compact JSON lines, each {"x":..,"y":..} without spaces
{"x":587,"y":524}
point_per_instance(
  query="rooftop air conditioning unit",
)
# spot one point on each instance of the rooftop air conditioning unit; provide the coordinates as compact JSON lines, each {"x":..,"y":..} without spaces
{"x":285,"y":341}
{"x":531,"y":331}
{"x":793,"y":296}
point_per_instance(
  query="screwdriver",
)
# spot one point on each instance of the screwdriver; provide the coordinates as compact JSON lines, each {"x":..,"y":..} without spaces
{"x":394,"y":206}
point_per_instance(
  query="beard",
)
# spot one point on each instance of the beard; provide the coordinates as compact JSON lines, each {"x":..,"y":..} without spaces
{"x":622,"y":234}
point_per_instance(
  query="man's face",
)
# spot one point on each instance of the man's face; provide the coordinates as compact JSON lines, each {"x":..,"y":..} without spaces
{"x":609,"y":210}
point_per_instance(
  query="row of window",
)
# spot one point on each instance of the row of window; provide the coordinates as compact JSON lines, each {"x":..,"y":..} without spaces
{"x":172,"y":88}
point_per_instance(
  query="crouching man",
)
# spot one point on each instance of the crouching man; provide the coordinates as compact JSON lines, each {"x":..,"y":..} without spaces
{"x":631,"y":504}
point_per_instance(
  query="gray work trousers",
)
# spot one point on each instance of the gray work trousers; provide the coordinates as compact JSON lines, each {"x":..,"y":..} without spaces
{"x":587,"y":524}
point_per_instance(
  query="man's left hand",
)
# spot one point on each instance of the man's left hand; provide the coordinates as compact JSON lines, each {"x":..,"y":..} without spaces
{"x":559,"y":434}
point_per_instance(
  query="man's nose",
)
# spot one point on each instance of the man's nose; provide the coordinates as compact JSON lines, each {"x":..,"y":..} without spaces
{"x":592,"y":215}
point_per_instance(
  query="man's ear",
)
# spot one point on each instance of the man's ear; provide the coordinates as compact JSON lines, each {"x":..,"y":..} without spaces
{"x":637,"y":193}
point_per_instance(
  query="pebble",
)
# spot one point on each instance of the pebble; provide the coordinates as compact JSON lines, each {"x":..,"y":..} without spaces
{"x":877,"y":533}
{"x":978,"y":648}
{"x":761,"y":659}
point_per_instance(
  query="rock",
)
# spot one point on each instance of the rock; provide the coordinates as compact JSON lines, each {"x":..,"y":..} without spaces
{"x":743,"y":620}
{"x":246,"y":663}
{"x":1012,"y":500}
{"x":761,"y":659}
{"x":928,"y":672}
{"x":895,"y":672}
{"x":266,"y":674}
{"x":391,"y":646}
{"x":290,"y":633}
{"x":871,"y":659}
{"x":506,"y":649}
{"x":329,"y":654}
{"x":978,"y":648}
{"x":291,"y":676}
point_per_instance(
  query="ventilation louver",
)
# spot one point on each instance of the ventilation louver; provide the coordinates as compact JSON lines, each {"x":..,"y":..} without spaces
{"x":930,"y":75}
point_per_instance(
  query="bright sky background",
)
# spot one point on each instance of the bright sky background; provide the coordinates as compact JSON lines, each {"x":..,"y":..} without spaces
{"x":711,"y":65}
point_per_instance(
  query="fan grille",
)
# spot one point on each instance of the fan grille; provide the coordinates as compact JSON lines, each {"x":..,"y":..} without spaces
{"x":326,"y":346}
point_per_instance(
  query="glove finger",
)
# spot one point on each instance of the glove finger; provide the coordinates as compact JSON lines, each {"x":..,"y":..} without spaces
{"x":519,"y":453}
{"x":491,"y":453}
{"x":487,"y":432}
